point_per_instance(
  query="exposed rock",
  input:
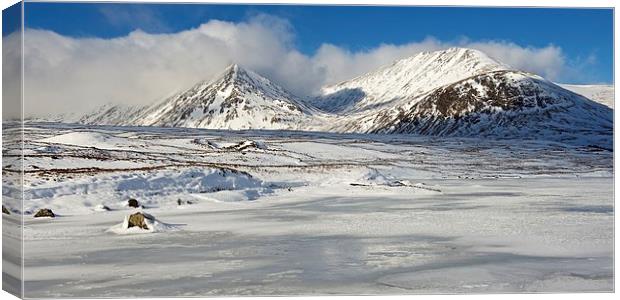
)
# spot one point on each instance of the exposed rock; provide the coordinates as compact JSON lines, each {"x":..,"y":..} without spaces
{"x":248,"y":144}
{"x":44,"y":212}
{"x":133,"y":203}
{"x":206,"y":142}
{"x":5,"y":210}
{"x":184,"y":202}
{"x":138,"y":220}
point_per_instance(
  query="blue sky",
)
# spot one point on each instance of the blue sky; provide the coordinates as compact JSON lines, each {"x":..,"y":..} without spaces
{"x":139,"y":53}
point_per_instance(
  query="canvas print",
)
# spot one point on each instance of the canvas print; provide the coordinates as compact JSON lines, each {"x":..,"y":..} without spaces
{"x":181,"y":150}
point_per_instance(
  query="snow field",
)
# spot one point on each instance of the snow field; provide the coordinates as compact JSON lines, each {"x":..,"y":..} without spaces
{"x":313,"y":213}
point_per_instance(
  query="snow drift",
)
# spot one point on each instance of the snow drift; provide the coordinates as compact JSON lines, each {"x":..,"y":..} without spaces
{"x":149,"y":222}
{"x":153,"y":188}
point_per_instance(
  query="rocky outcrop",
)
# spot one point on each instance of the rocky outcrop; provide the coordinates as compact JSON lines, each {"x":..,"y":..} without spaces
{"x":45,"y":212}
{"x":139,"y":220}
{"x":133,"y":203}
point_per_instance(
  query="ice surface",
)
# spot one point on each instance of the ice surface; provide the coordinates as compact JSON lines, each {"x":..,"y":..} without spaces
{"x":311,"y":213}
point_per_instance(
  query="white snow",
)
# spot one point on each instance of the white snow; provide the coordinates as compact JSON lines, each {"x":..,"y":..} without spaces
{"x":152,"y":187}
{"x":95,"y":140}
{"x":101,"y":208}
{"x":601,"y":93}
{"x":316,"y":213}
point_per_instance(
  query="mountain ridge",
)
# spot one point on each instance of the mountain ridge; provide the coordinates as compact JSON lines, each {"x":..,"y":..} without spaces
{"x":453,"y":92}
{"x":235,"y":99}
{"x":519,"y":104}
{"x":405,"y":78}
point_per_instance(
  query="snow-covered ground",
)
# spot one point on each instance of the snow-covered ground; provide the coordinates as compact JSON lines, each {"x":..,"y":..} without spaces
{"x":288,"y":213}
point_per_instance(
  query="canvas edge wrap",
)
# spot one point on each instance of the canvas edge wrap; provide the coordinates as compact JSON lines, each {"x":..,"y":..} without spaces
{"x":12,"y":154}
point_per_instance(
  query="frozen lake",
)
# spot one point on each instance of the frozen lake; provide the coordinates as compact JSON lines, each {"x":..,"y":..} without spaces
{"x":291,"y":213}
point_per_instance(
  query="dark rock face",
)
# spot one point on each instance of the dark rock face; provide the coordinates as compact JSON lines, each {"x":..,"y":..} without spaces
{"x":138,"y":220}
{"x":5,"y":210}
{"x":487,"y":93}
{"x":44,"y":212}
{"x":133,"y":203}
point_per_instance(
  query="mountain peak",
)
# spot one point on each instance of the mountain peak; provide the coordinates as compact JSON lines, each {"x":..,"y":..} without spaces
{"x":237,"y":98}
{"x":454,"y":51}
{"x":405,"y":79}
{"x":235,"y":71}
{"x":456,"y":56}
{"x":462,"y":50}
{"x":231,"y":70}
{"x":233,"y":67}
{"x":235,"y":74}
{"x":238,"y":79}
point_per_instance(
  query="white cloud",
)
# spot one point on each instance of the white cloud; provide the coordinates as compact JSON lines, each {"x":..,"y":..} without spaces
{"x":64,"y":73}
{"x":11,"y":79}
{"x":547,"y":61}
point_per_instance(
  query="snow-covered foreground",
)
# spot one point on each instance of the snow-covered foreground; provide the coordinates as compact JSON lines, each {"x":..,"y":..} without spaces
{"x":287,"y":213}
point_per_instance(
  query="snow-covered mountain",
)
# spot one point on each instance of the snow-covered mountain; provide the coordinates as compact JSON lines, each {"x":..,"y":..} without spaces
{"x":497,"y":104}
{"x":237,"y":99}
{"x":601,"y":93}
{"x":453,"y":92}
{"x":405,"y":79}
{"x":463,"y":92}
{"x":110,"y":114}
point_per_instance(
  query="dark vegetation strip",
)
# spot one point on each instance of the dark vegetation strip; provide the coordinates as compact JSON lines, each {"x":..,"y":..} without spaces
{"x":229,"y":167}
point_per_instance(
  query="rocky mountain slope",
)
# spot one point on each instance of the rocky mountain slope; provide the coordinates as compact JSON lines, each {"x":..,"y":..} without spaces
{"x":498,"y":104}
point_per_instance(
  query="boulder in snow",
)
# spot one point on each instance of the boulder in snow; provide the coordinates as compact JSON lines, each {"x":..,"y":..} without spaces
{"x":139,"y":220}
{"x":139,"y":223}
{"x":5,"y":210}
{"x":44,"y":212}
{"x":133,"y":203}
{"x":184,"y":202}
